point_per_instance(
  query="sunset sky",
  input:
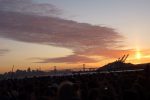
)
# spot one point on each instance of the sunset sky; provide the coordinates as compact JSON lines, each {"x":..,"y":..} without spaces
{"x":69,"y":33}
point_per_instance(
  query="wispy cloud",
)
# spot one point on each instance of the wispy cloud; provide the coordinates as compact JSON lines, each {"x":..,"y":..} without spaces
{"x":68,"y":59}
{"x":21,"y":21}
{"x":109,"y":53}
{"x":3,"y":51}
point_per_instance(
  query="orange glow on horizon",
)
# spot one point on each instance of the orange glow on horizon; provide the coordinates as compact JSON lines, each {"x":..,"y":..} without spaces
{"x":138,"y":55}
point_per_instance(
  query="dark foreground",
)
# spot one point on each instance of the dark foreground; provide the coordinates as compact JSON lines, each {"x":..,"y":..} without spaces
{"x":96,"y":86}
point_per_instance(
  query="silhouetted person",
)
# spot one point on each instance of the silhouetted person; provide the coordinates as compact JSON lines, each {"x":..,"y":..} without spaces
{"x":66,"y":92}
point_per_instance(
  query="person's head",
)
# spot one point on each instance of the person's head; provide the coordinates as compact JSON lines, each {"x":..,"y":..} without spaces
{"x":66,"y":91}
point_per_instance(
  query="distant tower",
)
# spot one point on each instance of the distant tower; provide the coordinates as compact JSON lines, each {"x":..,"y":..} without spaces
{"x":55,"y":68}
{"x":83,"y":67}
{"x":29,"y":69}
{"x":12,"y":69}
{"x":12,"y":72}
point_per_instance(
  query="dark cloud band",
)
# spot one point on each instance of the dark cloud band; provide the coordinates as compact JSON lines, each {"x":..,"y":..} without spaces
{"x":84,"y":39}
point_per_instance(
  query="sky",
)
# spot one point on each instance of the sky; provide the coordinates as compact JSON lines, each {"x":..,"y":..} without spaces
{"x":70,"y":33}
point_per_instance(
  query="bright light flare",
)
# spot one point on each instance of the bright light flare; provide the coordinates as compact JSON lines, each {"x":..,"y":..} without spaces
{"x":138,"y":55}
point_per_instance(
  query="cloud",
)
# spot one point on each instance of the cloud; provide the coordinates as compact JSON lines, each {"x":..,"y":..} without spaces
{"x":29,"y":7}
{"x":27,"y":26}
{"x":55,"y":31}
{"x":3,"y":51}
{"x":109,"y":53}
{"x":68,"y":59}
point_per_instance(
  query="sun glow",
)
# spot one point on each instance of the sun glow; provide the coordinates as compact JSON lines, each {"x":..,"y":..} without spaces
{"x":138,"y":55}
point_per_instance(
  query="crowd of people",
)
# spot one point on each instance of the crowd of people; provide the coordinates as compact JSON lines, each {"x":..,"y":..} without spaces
{"x":96,"y":86}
